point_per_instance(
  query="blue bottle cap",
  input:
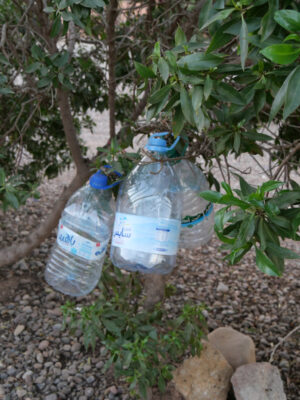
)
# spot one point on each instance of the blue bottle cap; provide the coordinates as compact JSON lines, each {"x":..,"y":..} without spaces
{"x":158,"y":144}
{"x":99,"y":180}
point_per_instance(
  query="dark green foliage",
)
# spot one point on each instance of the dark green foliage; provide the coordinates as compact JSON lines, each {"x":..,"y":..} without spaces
{"x":252,"y":218}
{"x":142,"y":346}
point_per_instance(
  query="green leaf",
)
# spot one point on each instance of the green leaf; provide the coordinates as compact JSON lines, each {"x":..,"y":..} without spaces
{"x":92,"y":3}
{"x":2,"y":176}
{"x":171,"y":59}
{"x":159,"y":95}
{"x":267,"y":24}
{"x":49,"y":10}
{"x":259,"y":101}
{"x":237,"y":142}
{"x":197,"y":95}
{"x":178,"y":122}
{"x":67,"y":16}
{"x":163,"y":68}
{"x":37,"y":52}
{"x":229,"y":93}
{"x":220,"y":38}
{"x":288,"y":19}
{"x":33,"y":67}
{"x":292,"y":101}
{"x":199,"y":61}
{"x":156,"y":50}
{"x":282,"y":251}
{"x":210,"y":195}
{"x":4,"y":60}
{"x":143,"y":389}
{"x":61,"y":60}
{"x":281,"y":96}
{"x":261,"y":233}
{"x":179,"y":36}
{"x":56,"y":27}
{"x":281,"y":53}
{"x":161,"y":384}
{"x":205,"y":13}
{"x":243,"y":42}
{"x":269,"y":186}
{"x":227,"y":188}
{"x":285,"y":199}
{"x":46,"y":81}
{"x":246,"y":231}
{"x":11,"y":199}
{"x":144,"y":71}
{"x":199,"y":119}
{"x":218,"y":17}
{"x":111,"y":326}
{"x":281,"y":221}
{"x":292,"y":36}
{"x":6,"y":90}
{"x":208,"y":85}
{"x":265,"y":264}
{"x":233,"y":201}
{"x":186,"y":105}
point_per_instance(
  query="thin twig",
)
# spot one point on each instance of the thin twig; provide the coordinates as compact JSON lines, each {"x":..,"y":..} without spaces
{"x":285,"y":160}
{"x":281,"y":341}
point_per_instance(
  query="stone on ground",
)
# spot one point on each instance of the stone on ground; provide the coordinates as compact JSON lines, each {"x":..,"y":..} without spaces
{"x":205,"y":377}
{"x":258,"y":381}
{"x":237,"y":348}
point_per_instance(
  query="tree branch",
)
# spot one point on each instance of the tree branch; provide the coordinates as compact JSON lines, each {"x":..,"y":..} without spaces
{"x":70,"y":131}
{"x":110,"y":31}
{"x":286,"y":159}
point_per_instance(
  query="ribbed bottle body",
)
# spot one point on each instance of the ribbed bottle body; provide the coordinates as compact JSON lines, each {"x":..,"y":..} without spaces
{"x":147,"y":223}
{"x":197,"y":214}
{"x":84,"y":230}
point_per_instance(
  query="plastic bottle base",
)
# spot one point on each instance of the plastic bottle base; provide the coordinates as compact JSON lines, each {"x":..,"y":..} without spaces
{"x":160,"y":270}
{"x":68,"y":287}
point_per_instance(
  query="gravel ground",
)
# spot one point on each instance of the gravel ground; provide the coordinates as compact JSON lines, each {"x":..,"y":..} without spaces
{"x":40,"y":361}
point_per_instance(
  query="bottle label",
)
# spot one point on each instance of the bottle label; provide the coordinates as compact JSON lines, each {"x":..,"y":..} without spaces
{"x":78,"y":245}
{"x":189,"y":221}
{"x":151,"y":235}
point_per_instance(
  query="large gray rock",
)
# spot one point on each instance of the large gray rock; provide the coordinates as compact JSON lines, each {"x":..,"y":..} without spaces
{"x":204,"y":378}
{"x":237,"y":348}
{"x":258,"y":381}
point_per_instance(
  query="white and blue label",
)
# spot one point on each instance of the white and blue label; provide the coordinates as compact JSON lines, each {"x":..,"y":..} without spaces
{"x":151,"y":235}
{"x":78,"y":245}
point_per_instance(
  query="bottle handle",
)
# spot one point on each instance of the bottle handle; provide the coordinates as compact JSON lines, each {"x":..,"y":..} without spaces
{"x":160,"y":134}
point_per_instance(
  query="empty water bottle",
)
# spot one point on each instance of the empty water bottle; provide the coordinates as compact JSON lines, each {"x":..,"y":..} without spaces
{"x":147,"y":223}
{"x":197,"y":214}
{"x":84,"y":230}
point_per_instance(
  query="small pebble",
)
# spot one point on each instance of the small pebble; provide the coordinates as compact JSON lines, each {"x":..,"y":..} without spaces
{"x":52,"y":396}
{"x":19,"y":329}
{"x":43,"y":344}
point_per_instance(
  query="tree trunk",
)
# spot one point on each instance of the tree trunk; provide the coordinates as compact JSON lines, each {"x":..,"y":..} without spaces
{"x":110,"y":31}
{"x":154,"y":286}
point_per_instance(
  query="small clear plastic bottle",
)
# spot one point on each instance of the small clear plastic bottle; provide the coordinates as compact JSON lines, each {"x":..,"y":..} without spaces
{"x":148,"y":216}
{"x":84,"y":230}
{"x":197,"y":224}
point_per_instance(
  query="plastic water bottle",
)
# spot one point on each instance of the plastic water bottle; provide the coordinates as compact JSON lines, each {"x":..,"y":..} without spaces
{"x":148,"y":216}
{"x":84,"y":230}
{"x":197,"y":214}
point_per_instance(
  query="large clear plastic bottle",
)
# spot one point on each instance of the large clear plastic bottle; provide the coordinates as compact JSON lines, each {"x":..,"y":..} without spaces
{"x":84,"y":230}
{"x":197,"y":214}
{"x":148,"y":217}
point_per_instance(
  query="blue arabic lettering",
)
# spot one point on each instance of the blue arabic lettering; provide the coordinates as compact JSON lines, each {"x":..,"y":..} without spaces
{"x":121,"y":233}
{"x":67,"y":238}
